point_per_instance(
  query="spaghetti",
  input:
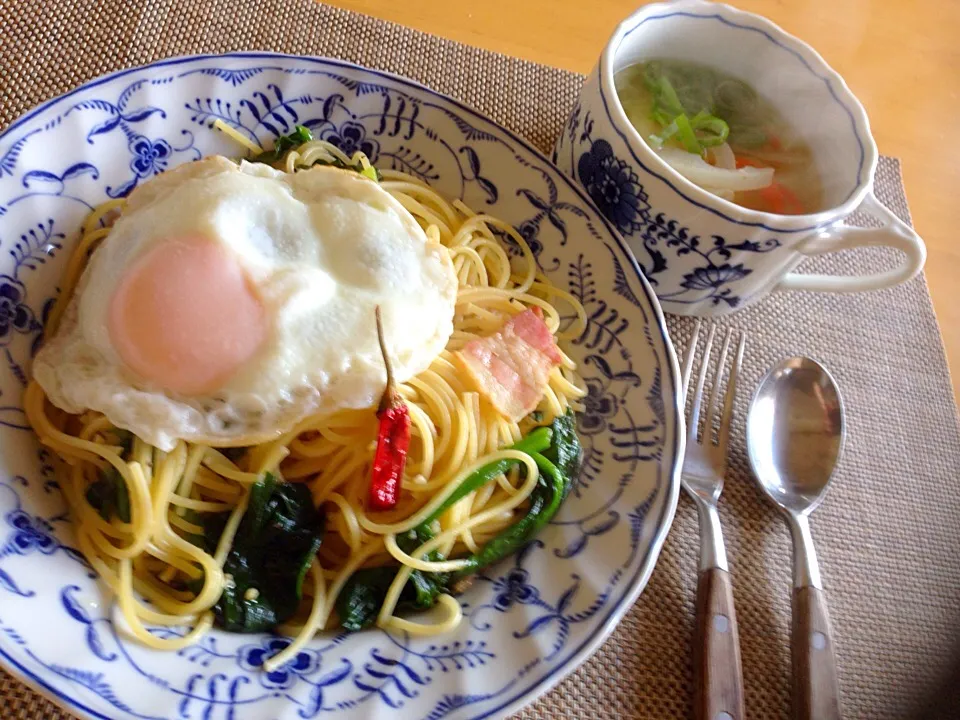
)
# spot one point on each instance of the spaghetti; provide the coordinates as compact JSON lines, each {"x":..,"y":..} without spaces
{"x":149,"y":547}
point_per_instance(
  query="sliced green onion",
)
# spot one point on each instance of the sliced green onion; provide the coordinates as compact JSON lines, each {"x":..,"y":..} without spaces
{"x":659,"y":116}
{"x":704,"y":130}
{"x":652,"y":72}
{"x":686,"y":135}
{"x":666,"y":105}
{"x":710,"y":130}
{"x":669,"y":95}
{"x":660,"y":139}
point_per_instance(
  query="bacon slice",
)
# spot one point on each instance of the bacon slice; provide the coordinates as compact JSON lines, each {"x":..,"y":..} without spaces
{"x":512,"y":366}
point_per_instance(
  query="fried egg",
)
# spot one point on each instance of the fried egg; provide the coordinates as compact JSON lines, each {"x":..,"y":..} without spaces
{"x":229,"y":302}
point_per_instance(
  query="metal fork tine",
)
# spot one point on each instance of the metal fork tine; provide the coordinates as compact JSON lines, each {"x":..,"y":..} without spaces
{"x":731,"y":393}
{"x":701,"y":380}
{"x":711,"y":417}
{"x":689,"y":358}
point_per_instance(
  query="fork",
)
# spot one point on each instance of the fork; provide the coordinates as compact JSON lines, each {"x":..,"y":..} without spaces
{"x":718,"y":679}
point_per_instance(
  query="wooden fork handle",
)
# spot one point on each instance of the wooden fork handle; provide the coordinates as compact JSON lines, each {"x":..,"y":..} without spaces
{"x":718,"y":678}
{"x":816,"y":692}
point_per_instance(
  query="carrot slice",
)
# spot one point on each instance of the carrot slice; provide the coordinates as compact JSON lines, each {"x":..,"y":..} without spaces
{"x":781,"y":200}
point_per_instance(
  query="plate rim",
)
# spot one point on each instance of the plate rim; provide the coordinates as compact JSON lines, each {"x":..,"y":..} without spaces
{"x":638,"y":583}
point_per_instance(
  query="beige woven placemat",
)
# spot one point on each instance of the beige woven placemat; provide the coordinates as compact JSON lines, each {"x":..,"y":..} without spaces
{"x":887,"y":535}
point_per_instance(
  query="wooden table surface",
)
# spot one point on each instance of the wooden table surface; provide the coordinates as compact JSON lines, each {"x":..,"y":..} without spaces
{"x":899,"y":58}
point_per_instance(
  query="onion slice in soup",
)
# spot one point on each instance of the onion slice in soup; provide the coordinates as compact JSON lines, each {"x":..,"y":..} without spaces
{"x":695,"y":169}
{"x":723,"y":157}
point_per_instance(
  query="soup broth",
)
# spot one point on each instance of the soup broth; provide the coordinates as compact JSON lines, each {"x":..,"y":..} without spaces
{"x":721,"y":134}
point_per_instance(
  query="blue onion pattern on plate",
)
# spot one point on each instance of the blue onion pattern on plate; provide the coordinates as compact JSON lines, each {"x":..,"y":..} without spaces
{"x":529,"y":620}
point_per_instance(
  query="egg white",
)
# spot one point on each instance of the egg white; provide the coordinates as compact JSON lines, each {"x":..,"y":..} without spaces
{"x":323,"y":247}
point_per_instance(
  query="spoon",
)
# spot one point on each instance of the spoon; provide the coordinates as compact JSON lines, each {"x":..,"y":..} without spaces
{"x":794,"y":435}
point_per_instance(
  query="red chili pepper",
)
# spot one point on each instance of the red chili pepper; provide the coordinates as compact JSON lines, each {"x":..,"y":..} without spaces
{"x":393,"y":439}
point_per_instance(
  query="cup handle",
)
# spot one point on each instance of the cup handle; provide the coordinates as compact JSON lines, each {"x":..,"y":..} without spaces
{"x":893,"y":233}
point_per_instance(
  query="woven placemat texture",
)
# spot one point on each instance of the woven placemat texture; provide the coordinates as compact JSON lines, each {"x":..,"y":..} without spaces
{"x":887,"y":533}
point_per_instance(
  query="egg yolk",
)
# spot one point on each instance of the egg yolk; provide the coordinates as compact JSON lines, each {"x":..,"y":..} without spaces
{"x":186,"y":316}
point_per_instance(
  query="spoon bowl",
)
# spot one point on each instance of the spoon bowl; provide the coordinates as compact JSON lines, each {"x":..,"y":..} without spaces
{"x":795,"y":432}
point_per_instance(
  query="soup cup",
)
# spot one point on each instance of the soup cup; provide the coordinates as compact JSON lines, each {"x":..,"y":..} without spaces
{"x":702,"y":254}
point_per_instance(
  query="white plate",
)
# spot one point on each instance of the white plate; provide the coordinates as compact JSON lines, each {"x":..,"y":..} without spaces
{"x":531,"y":619}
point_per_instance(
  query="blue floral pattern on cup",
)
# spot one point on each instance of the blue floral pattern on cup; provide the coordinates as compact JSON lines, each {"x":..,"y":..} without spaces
{"x":615,"y":187}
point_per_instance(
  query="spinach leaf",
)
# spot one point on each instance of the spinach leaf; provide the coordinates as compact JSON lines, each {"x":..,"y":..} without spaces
{"x":559,"y":466}
{"x":275,"y":544}
{"x":544,"y":502}
{"x":360,"y":600}
{"x":371,"y":172}
{"x":423,"y":588}
{"x":109,"y":495}
{"x":283,"y":144}
{"x":565,"y":451}
{"x":362,"y":596}
{"x":300,"y":135}
{"x":536,"y":440}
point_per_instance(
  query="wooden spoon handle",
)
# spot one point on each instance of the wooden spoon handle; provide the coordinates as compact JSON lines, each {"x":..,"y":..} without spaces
{"x":816,"y":691}
{"x":718,"y":678}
